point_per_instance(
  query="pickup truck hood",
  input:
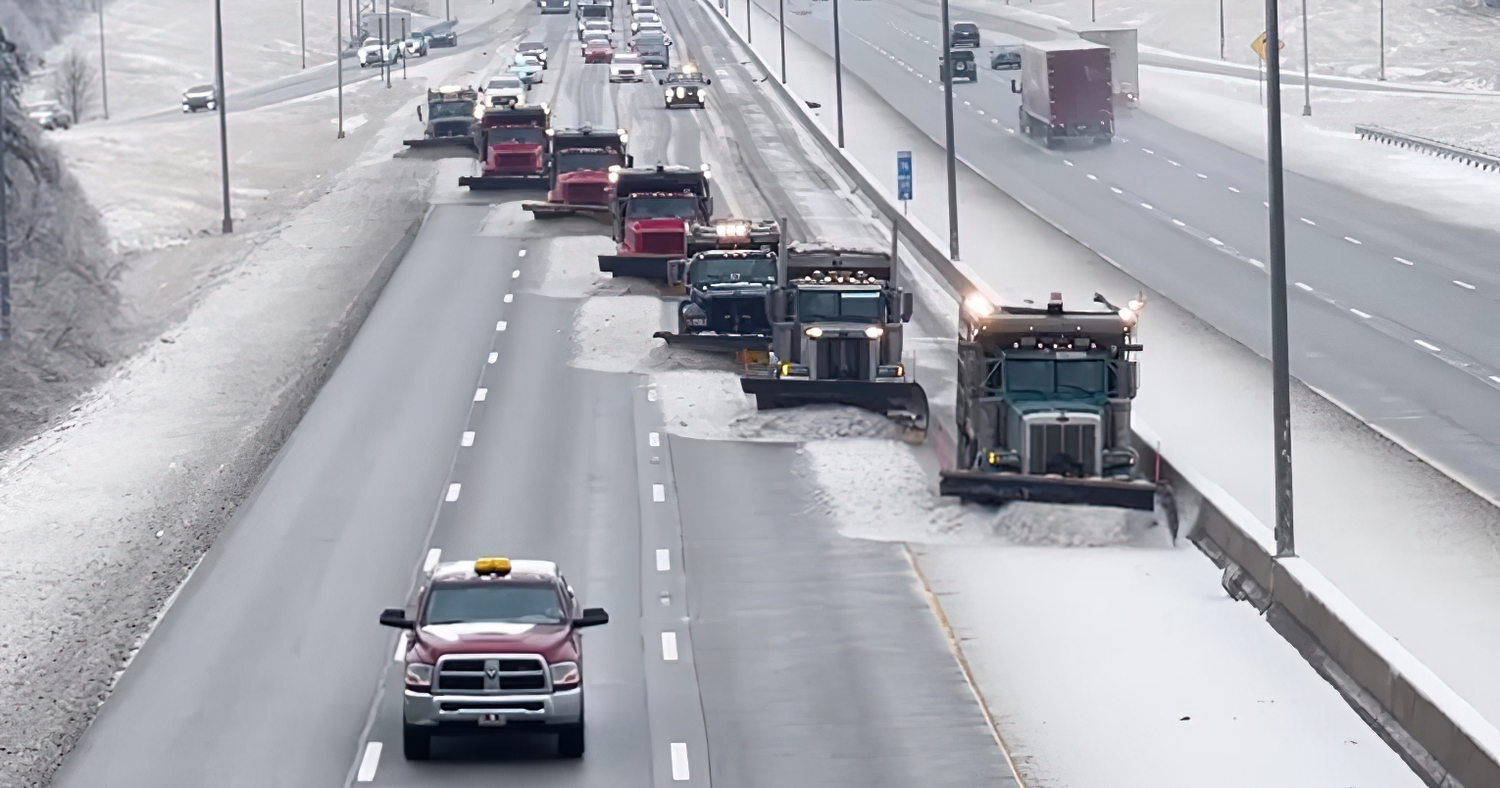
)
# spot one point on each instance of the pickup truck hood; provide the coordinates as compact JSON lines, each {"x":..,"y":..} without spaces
{"x":553,"y":641}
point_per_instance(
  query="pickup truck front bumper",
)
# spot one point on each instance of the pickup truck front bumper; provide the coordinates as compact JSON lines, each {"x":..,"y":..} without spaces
{"x":558,"y":708}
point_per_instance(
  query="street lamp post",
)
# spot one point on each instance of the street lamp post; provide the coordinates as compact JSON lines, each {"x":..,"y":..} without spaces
{"x":6,"y":48}
{"x":1382,"y":40}
{"x":228,"y":225}
{"x":1093,"y":15}
{"x":103,"y":72}
{"x":302,"y":22}
{"x":338,"y":54}
{"x":749,"y":37}
{"x":781,"y":19}
{"x":1281,"y":408}
{"x":1221,"y":29}
{"x":838,"y":74}
{"x":385,"y":34}
{"x":947,"y":73}
{"x":1306,"y":67}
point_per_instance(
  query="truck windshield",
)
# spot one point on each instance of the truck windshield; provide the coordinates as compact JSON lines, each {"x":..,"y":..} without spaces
{"x":451,"y":109}
{"x":818,"y":306}
{"x":532,"y":135}
{"x":1047,"y":379}
{"x":497,"y":602}
{"x":717,"y":271}
{"x":573,"y":162}
{"x":662,"y":208}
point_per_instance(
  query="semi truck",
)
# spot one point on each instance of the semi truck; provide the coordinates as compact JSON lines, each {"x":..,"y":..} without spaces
{"x":1065,"y":91}
{"x":726,"y":310}
{"x":449,"y":119}
{"x":836,"y":337}
{"x":512,"y":144}
{"x":1043,"y":410}
{"x":580,"y":160}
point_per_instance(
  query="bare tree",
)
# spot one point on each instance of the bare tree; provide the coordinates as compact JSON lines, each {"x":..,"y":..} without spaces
{"x":74,"y":81}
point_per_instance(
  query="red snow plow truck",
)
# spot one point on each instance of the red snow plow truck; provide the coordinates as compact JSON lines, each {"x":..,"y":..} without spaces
{"x":580,"y":161}
{"x":512,"y":144}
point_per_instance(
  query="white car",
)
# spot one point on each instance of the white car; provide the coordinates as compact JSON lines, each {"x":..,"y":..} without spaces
{"x":374,"y":53}
{"x":648,"y":27}
{"x":626,"y":67}
{"x":595,"y":27}
{"x":503,"y":86}
{"x":638,"y":6}
{"x":648,"y":18}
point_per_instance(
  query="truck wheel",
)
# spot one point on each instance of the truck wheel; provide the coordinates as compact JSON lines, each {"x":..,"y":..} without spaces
{"x":416,"y":742}
{"x":1052,"y":142}
{"x":570,"y":741}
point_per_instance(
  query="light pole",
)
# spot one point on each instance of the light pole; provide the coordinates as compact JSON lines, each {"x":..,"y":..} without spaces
{"x":1306,"y":67}
{"x":781,"y":19}
{"x":1093,"y":16}
{"x":1221,"y":29}
{"x":6,"y":48}
{"x":338,"y":53}
{"x":302,"y":21}
{"x":838,"y":74}
{"x":385,"y":45}
{"x":103,"y":72}
{"x":228,"y":225}
{"x":749,"y":39}
{"x":947,"y":73}
{"x":1281,"y":408}
{"x":1382,"y":40}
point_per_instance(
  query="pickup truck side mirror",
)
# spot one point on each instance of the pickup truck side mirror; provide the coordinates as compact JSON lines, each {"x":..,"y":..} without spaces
{"x":629,"y":161}
{"x":396,"y":617}
{"x":707,"y":81}
{"x":1014,"y":87}
{"x":419,"y":112}
{"x":906,"y":305}
{"x":592,"y":617}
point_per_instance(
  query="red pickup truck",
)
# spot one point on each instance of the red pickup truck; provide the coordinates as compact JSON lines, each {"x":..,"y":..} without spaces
{"x":495,"y":645}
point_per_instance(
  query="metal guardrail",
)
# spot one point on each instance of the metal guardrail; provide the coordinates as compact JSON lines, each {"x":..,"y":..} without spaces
{"x":1444,"y":150}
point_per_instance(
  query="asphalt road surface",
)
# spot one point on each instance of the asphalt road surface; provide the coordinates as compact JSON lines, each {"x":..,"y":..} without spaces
{"x":455,"y":424}
{"x":1392,"y":313}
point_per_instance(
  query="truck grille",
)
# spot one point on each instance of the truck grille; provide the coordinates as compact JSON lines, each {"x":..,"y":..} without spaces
{"x":489,"y":675}
{"x":650,"y":241}
{"x":1063,"y":447}
{"x":586,"y":193}
{"x":521,"y":163}
{"x":451,"y":128}
{"x":738,"y":315}
{"x":844,"y":358}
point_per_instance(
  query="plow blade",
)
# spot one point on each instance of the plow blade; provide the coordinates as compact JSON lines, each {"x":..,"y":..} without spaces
{"x":499,"y":182}
{"x":441,"y":142}
{"x":904,"y":403}
{"x":998,"y":488}
{"x":641,"y":266}
{"x":563,"y":209}
{"x":716,"y":343}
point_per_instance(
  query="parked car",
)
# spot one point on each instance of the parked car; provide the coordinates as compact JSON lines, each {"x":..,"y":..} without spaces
{"x":53,"y":115}
{"x":200,"y":97}
{"x":964,"y":34}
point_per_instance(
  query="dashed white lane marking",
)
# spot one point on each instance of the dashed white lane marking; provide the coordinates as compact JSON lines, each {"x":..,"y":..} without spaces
{"x":480,"y":394}
{"x":1147,"y":206}
{"x":654,"y":438}
{"x":1179,"y":222}
{"x":509,"y":297}
{"x":679,"y":760}
{"x":669,"y":646}
{"x":1201,"y":175}
{"x":432,"y":559}
{"x":521,"y":253}
{"x":500,"y":326}
{"x":516,"y":274}
{"x":1304,"y":286}
{"x":467,"y":439}
{"x":1173,"y":163}
{"x":453,"y":490}
{"x":1258,"y":264}
{"x":1236,"y":191}
{"x":401,"y":648}
{"x":1306,"y":220}
{"x":1117,"y":190}
{"x":1463,"y":284}
{"x":663,"y":560}
{"x":494,"y":357}
{"x":1404,"y":261}
{"x":1495,"y":378}
{"x":1148,"y":150}
{"x":1354,"y":241}
{"x":369,"y":763}
{"x":1092,"y":177}
{"x":1428,"y":345}
{"x":658,"y":492}
{"x":1069,"y":163}
{"x":651,"y":395}
{"x":1365,"y":315}
{"x":1215,"y":242}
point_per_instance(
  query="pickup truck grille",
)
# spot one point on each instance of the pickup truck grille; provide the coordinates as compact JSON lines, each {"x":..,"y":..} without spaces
{"x":490,"y":675}
{"x":1063,"y":447}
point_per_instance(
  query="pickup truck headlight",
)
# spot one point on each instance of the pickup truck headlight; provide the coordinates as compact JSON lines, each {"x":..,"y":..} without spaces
{"x":565,"y":675}
{"x":418,"y":676}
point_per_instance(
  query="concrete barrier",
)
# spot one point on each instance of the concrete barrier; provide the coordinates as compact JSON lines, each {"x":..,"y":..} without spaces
{"x":1444,"y":739}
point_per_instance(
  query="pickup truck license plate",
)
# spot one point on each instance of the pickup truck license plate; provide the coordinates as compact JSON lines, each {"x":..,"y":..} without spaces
{"x":492,"y":720}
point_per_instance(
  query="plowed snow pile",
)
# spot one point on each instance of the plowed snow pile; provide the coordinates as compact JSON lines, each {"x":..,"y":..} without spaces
{"x":615,"y":334}
{"x":709,"y":404}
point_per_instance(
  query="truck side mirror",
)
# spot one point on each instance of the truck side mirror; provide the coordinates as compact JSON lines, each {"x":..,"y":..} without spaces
{"x":419,"y":112}
{"x":629,"y":161}
{"x":396,"y":617}
{"x":906,"y":305}
{"x":592,"y":617}
{"x":1014,"y":87}
{"x":707,"y":81}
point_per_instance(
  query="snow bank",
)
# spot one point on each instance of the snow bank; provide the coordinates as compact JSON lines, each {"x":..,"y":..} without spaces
{"x":573,"y":267}
{"x":615,"y":334}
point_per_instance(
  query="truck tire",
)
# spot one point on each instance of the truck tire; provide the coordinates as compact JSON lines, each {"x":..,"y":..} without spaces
{"x":416,"y":742}
{"x":570,"y":741}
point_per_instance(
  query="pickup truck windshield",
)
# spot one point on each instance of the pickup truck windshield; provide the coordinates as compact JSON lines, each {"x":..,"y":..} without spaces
{"x":499,"y":602}
{"x":662,"y":208}
{"x":717,"y":271}
{"x":819,"y":306}
{"x":1046,"y":379}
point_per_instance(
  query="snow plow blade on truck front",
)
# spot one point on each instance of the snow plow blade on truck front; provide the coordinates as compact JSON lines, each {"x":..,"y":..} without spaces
{"x":903,"y":403}
{"x":716,"y":343}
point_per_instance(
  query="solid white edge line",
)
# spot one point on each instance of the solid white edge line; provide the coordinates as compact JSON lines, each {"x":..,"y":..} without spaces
{"x":659,"y":493}
{"x":400,"y":648}
{"x":1403,"y":261}
{"x":1305,"y":286}
{"x":431,"y":561}
{"x":494,"y":357}
{"x":1463,"y":284}
{"x":679,"y":760}
{"x":1365,"y":315}
{"x":663,"y":559}
{"x":453,"y":491}
{"x":369,"y":763}
{"x":1428,"y":345}
{"x":467,"y":439}
{"x":669,"y":646}
{"x":480,"y":394}
{"x":1495,"y":378}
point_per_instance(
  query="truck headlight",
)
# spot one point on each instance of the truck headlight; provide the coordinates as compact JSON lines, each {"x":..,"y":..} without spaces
{"x":874,"y":332}
{"x":418,"y":676}
{"x":681,"y":93}
{"x":669,"y":93}
{"x":565,"y":675}
{"x":813,"y":332}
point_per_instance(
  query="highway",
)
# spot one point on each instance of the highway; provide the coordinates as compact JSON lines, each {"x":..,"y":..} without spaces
{"x":456,"y":426}
{"x":1391,"y":312}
